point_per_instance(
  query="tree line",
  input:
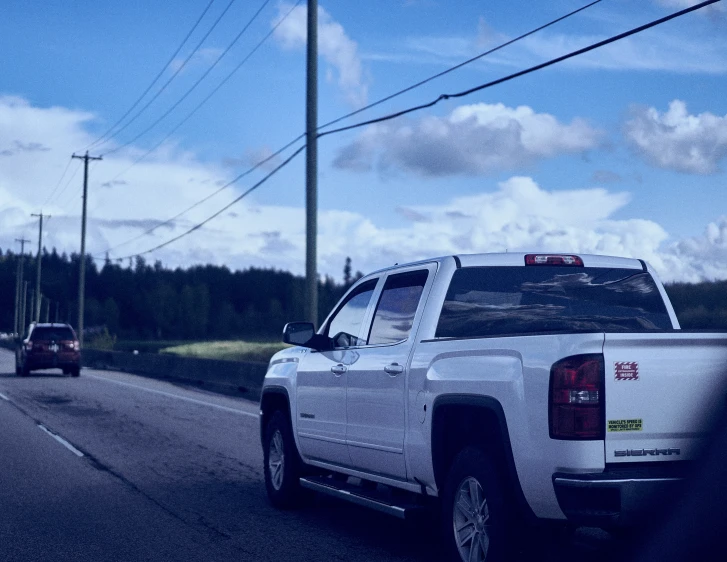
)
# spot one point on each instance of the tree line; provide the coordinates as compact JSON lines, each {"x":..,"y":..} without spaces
{"x":152,"y":302}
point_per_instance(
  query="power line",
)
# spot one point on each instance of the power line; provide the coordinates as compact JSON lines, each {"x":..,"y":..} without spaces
{"x":212,"y":93}
{"x":73,"y":175}
{"x":223,"y":209}
{"x":208,"y":197}
{"x":156,"y":78}
{"x":458,"y":66}
{"x":194,"y":86}
{"x":65,"y":170}
{"x":451,"y":69}
{"x":440,"y":98}
{"x":174,"y":75}
{"x":509,"y":77}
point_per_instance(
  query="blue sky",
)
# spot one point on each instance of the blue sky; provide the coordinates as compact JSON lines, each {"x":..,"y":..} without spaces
{"x":620,"y":151}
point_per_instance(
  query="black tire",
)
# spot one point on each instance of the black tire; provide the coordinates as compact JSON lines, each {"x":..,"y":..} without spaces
{"x":473,"y":474}
{"x":18,"y":370}
{"x":24,"y":371}
{"x":282,"y":464}
{"x":75,"y":371}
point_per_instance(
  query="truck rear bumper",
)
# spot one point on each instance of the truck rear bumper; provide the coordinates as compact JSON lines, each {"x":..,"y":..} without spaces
{"x":619,"y":498}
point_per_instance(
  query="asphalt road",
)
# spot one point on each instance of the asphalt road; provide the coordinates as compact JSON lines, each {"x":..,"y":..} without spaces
{"x":110,"y":466}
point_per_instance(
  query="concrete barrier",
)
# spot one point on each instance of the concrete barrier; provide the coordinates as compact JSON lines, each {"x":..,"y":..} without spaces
{"x":229,"y":377}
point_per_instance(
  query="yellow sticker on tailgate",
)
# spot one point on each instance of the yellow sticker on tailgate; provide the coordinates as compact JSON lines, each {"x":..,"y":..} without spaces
{"x":625,"y":425}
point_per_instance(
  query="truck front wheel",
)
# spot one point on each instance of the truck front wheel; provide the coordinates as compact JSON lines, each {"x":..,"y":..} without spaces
{"x":282,"y":463}
{"x":474,"y":512}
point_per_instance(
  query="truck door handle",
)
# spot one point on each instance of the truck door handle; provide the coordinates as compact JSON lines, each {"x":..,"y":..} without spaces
{"x":394,"y":369}
{"x":339,"y":369}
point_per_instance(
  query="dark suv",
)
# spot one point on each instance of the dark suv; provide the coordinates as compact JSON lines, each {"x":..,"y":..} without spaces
{"x":49,"y":346}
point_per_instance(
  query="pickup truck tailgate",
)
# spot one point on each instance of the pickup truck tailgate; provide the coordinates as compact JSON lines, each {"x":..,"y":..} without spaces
{"x":662,"y":392}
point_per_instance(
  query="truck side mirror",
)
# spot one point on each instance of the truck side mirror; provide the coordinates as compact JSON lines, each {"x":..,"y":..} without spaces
{"x":303,"y":333}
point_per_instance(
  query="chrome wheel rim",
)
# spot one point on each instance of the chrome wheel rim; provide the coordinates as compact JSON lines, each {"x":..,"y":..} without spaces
{"x":471,"y":521}
{"x":276,"y":460}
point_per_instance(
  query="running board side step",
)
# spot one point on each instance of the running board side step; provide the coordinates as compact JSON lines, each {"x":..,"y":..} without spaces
{"x":350,"y":494}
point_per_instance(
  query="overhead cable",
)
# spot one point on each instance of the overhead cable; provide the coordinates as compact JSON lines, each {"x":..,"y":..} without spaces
{"x":212,"y":93}
{"x":440,"y":98}
{"x":208,"y":197}
{"x":223,"y":209}
{"x":194,"y":86}
{"x":509,"y":77}
{"x":143,"y":156}
{"x":154,"y":81}
{"x":174,"y":75}
{"x":458,"y":66}
{"x":63,"y":175}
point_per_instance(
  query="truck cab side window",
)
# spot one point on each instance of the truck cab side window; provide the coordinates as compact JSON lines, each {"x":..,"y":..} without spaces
{"x":345,"y":325}
{"x":397,"y":306}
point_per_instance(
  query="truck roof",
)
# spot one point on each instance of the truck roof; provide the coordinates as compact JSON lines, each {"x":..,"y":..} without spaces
{"x":518,"y":259}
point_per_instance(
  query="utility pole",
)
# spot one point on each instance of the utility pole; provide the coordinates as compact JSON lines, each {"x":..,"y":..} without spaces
{"x":37,"y":277}
{"x":25,"y":300}
{"x":82,"y":267}
{"x":47,"y":309}
{"x":32,"y":307}
{"x":18,"y":309}
{"x":57,"y":307}
{"x":311,"y":165}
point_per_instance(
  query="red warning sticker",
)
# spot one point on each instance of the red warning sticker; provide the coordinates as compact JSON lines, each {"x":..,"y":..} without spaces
{"x":627,"y":370}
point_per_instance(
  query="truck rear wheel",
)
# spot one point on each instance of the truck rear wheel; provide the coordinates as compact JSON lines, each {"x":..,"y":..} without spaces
{"x":282,"y":463}
{"x":474,"y":512}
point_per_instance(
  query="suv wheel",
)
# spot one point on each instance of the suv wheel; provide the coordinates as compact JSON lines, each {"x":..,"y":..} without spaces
{"x":281,"y":463}
{"x":474,"y":511}
{"x":75,"y":371}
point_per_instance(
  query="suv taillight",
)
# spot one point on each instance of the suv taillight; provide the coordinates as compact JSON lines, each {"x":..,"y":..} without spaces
{"x":576,"y":398}
{"x":29,"y":346}
{"x":76,"y":346}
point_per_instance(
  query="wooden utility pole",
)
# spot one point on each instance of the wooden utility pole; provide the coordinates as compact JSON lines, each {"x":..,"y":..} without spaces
{"x":19,"y":318}
{"x":37,"y":276}
{"x":82,"y":267}
{"x":25,"y":301}
{"x":311,"y":166}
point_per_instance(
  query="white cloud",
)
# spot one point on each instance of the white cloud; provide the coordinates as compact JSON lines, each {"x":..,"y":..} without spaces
{"x":334,"y":45}
{"x":517,"y":215}
{"x":689,"y":49}
{"x":472,"y":140}
{"x":677,"y":140}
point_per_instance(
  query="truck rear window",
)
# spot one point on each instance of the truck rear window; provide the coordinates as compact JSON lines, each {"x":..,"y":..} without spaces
{"x":52,"y":334}
{"x":489,"y":301}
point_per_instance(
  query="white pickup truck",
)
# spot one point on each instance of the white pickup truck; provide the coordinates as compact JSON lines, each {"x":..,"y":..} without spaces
{"x":497,"y":387}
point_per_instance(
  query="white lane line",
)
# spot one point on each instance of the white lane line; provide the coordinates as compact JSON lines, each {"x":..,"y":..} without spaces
{"x":4,"y":397}
{"x":169,"y":394}
{"x":62,"y":441}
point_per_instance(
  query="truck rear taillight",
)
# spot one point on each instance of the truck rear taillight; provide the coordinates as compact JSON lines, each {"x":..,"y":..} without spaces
{"x":576,"y":398}
{"x":551,"y":259}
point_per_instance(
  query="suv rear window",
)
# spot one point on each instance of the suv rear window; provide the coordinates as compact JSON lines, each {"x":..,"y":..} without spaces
{"x":488,"y":301}
{"x":52,"y":334}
